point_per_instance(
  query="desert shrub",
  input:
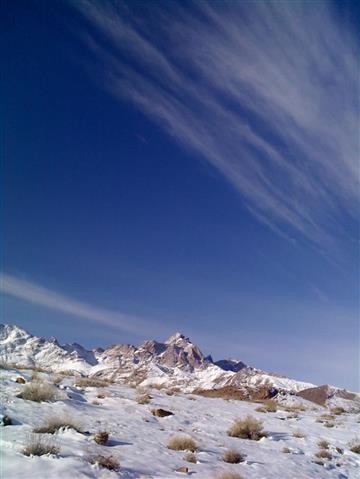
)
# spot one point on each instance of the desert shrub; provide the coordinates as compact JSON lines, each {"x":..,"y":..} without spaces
{"x":233,"y":457}
{"x":294,"y":415}
{"x":92,"y":383}
{"x":101,"y":437}
{"x":182,"y":443}
{"x":247,"y":428}
{"x":298,"y":434}
{"x":323,"y":444}
{"x":337,"y":410}
{"x":355,"y":447}
{"x":38,"y":392}
{"x":143,"y":398}
{"x":228,"y":475}
{"x":325,"y":417}
{"x":108,"y":462}
{"x":268,"y":406}
{"x":295,"y":408}
{"x":57,"y":378}
{"x":53,"y":424}
{"x":190,"y":457}
{"x":323,"y":454}
{"x":286,"y":450}
{"x":39,"y":446}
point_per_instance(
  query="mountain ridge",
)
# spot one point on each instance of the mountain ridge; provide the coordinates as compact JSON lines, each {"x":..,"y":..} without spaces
{"x":174,"y":363}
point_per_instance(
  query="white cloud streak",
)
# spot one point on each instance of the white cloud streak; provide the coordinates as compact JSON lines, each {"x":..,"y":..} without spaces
{"x":38,"y":295}
{"x":265,"y":92}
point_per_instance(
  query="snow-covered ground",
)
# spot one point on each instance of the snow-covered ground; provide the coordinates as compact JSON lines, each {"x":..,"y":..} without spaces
{"x":138,"y":439}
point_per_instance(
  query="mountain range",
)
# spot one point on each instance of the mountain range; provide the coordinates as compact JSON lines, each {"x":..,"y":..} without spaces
{"x":175,"y":363}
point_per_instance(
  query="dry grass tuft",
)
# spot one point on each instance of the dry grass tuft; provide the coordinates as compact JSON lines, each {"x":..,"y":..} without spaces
{"x":323,"y":454}
{"x":53,"y":424}
{"x":92,"y":383}
{"x":182,"y":443}
{"x":101,"y":437}
{"x":190,"y":457}
{"x":325,"y":417}
{"x":298,"y":434}
{"x":355,"y":447}
{"x":39,"y":446}
{"x":322,"y":444}
{"x":228,"y":475}
{"x":143,"y":398}
{"x":108,"y":462}
{"x":247,"y":428}
{"x":337,"y":411}
{"x":38,"y":392}
{"x":295,"y":408}
{"x":268,"y":406}
{"x":286,"y":450}
{"x":233,"y":457}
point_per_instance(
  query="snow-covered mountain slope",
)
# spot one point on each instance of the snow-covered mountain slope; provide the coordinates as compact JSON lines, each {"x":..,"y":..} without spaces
{"x":176,"y":363}
{"x":138,"y":439}
{"x":19,"y":347}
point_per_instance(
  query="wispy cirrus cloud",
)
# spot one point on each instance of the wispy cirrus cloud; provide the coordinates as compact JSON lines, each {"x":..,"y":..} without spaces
{"x":265,"y":92}
{"x":38,"y":295}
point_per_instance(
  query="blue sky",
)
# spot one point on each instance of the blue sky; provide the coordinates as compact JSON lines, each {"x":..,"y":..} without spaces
{"x":185,"y":166}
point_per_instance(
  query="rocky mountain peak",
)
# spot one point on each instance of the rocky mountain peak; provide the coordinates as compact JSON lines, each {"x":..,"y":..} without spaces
{"x":176,"y":338}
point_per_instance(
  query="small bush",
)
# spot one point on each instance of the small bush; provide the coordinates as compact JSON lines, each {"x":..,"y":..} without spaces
{"x":322,"y":444}
{"x":182,"y":443}
{"x":298,"y":434}
{"x":325,"y":417}
{"x":295,"y":408}
{"x":355,"y":447}
{"x":101,"y":437}
{"x":53,"y":424}
{"x":286,"y":450}
{"x":323,"y":454}
{"x":233,"y":457}
{"x":268,"y":406}
{"x":108,"y":462}
{"x":190,"y":457}
{"x":38,"y":392}
{"x":39,"y":446}
{"x":228,"y":475}
{"x":91,"y":383}
{"x":338,"y":410}
{"x":248,"y":428}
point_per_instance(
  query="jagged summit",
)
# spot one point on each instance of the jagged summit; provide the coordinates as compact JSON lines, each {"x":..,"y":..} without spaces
{"x":176,"y":337}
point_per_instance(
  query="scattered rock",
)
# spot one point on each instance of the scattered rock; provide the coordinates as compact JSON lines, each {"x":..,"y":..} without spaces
{"x":161,"y":412}
{"x":20,"y":380}
{"x":6,"y":421}
{"x":182,"y":469}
